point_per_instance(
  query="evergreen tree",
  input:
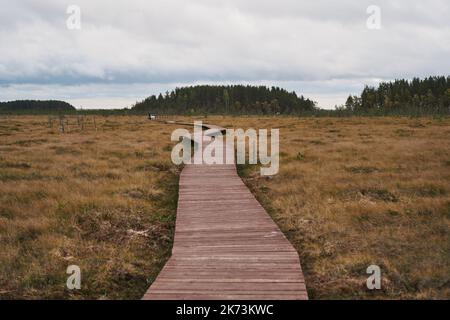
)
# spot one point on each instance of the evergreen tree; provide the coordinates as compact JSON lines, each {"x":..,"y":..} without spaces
{"x":226,"y":100}
{"x":426,"y":96}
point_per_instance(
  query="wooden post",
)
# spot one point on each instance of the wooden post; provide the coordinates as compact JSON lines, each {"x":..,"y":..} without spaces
{"x":95,"y":124}
{"x":61,"y":124}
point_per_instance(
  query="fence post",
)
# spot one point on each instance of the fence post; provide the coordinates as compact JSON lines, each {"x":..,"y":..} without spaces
{"x":61,"y":124}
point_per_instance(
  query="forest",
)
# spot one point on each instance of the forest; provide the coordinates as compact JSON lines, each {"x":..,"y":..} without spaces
{"x":237,"y":99}
{"x":416,"y":97}
{"x":36,"y":107}
{"x":428,"y":96}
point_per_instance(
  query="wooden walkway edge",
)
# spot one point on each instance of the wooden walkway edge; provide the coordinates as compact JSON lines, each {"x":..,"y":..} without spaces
{"x":226,"y":246}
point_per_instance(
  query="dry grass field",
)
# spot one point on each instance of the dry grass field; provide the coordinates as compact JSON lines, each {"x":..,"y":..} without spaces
{"x":351,"y":192}
{"x":104,"y":200}
{"x":354,"y":192}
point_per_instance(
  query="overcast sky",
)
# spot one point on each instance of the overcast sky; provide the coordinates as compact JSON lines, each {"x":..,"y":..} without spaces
{"x":127,"y":50}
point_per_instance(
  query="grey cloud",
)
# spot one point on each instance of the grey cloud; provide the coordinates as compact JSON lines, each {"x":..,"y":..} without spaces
{"x":176,"y":41}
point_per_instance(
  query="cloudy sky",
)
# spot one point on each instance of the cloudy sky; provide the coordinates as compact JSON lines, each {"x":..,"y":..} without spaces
{"x":129,"y":49}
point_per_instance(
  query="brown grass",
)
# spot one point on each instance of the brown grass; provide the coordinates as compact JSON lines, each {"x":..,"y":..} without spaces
{"x":350,"y":193}
{"x":359,"y":191}
{"x":104,"y":200}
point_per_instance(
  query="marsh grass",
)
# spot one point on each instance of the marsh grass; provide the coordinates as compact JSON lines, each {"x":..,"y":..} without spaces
{"x":351,"y":192}
{"x":81,"y":198}
{"x":375,"y":191}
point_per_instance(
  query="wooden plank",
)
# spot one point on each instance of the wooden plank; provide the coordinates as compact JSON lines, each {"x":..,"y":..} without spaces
{"x":226,"y":246}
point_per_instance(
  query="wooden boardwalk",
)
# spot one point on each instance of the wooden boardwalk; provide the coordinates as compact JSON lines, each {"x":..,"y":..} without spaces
{"x":226,"y":246}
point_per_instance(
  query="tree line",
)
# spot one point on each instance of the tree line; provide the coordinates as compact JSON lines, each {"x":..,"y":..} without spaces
{"x":36,"y":107}
{"x":236,"y":99}
{"x":416,"y":97}
{"x":427,"y":96}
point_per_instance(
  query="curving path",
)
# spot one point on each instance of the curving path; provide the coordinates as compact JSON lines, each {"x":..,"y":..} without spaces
{"x":226,"y":246}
